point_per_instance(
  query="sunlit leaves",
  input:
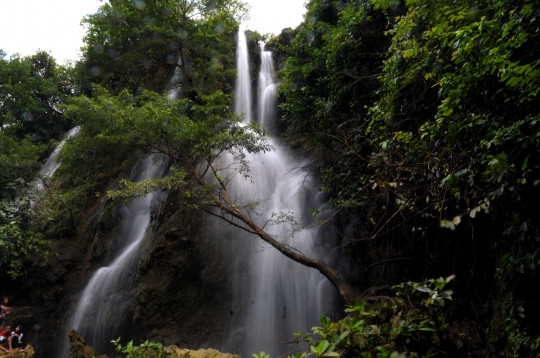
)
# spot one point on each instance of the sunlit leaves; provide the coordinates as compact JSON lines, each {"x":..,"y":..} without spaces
{"x":147,"y":349}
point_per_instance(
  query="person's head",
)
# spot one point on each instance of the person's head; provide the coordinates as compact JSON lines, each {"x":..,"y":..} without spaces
{"x":5,"y":301}
{"x":8,"y":328}
{"x":18,"y":328}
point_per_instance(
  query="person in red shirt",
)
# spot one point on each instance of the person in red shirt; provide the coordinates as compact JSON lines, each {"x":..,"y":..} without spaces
{"x":4,"y":339}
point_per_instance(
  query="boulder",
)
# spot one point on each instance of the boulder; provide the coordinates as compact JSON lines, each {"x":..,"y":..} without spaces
{"x":78,"y":347}
{"x":201,"y":353}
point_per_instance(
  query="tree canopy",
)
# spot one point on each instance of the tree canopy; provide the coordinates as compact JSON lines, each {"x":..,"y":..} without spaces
{"x":138,"y":44}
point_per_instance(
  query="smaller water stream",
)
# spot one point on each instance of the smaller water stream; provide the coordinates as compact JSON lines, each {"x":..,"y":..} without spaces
{"x":101,"y":312}
{"x":267,"y":92}
{"x":52,"y":164}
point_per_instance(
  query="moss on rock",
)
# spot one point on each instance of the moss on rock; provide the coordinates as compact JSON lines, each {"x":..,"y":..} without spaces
{"x":78,"y":347}
{"x":201,"y":353}
{"x":29,"y":352}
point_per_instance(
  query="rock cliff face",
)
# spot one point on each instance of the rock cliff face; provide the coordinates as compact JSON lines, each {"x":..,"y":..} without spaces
{"x":183,"y":289}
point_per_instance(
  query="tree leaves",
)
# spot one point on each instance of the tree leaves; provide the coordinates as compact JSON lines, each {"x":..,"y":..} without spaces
{"x":387,"y":327}
{"x":21,"y":241}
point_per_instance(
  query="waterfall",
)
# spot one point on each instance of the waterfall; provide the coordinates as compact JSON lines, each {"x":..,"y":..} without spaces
{"x":100,"y":313}
{"x":275,"y":296}
{"x":267,"y":92}
{"x":242,"y":103}
{"x":52,"y":164}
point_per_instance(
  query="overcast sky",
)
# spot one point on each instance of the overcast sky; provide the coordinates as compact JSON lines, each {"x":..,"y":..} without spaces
{"x":54,"y":25}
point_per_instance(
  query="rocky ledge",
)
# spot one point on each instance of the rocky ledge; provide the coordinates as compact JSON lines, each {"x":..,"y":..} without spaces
{"x":201,"y":353}
{"x":79,"y":349}
{"x":29,"y":353}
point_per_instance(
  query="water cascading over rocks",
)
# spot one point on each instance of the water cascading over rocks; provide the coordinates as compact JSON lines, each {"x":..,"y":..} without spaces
{"x":274,"y":296}
{"x":267,"y":93}
{"x":100,"y":313}
{"x":242,"y":104}
{"x":52,"y":164}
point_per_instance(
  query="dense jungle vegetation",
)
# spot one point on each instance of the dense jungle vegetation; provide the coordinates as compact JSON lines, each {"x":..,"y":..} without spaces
{"x":424,"y":118}
{"x":421,"y":117}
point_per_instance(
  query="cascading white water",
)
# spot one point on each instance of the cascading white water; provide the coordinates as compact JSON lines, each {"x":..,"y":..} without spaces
{"x":275,"y":296}
{"x":242,"y":104}
{"x":267,"y":92}
{"x":99,"y":314}
{"x":52,"y":164}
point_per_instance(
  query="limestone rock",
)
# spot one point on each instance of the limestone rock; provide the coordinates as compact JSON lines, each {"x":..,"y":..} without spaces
{"x":201,"y":353}
{"x":78,"y":347}
{"x":29,"y":353}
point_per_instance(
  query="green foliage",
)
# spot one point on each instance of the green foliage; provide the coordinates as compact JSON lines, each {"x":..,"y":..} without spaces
{"x":438,"y":43}
{"x":155,"y":121}
{"x":21,"y":241}
{"x":441,"y":131}
{"x":132,"y":47}
{"x":409,"y":325}
{"x":522,"y":342}
{"x":481,"y":134}
{"x":184,"y":131}
{"x":137,"y":45}
{"x":331,"y":71}
{"x":145,"y":350}
{"x":18,"y":160}
{"x":87,"y":167}
{"x":32,"y":88}
{"x":261,"y":355}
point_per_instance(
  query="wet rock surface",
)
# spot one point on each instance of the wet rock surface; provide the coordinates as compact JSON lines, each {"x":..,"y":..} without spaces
{"x":201,"y":353}
{"x":78,"y":347}
{"x":183,"y":290}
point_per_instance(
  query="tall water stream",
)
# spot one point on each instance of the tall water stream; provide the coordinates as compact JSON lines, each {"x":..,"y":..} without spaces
{"x":274,"y":296}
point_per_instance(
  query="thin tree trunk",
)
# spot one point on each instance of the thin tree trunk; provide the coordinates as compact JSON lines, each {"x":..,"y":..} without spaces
{"x":227,"y":206}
